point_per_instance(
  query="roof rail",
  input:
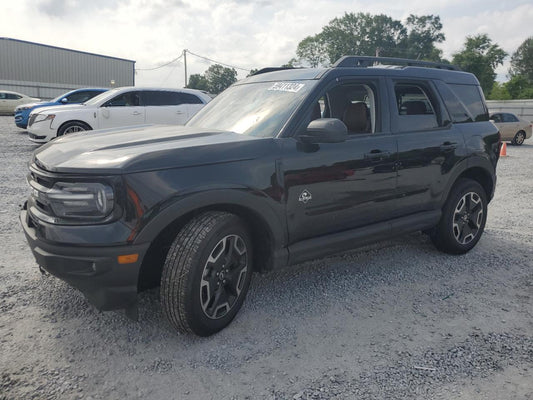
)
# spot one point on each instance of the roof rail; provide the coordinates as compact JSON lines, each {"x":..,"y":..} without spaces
{"x":366,"y":61}
{"x":271,"y":69}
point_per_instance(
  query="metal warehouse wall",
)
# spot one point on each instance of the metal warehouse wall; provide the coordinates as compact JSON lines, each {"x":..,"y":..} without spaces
{"x":522,"y":108}
{"x":46,"y":71}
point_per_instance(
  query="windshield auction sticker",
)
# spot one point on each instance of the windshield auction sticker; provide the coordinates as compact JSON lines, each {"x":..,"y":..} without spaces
{"x":287,"y":87}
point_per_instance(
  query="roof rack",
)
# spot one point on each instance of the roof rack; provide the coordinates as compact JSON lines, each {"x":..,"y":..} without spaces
{"x":271,"y":69}
{"x":366,"y":61}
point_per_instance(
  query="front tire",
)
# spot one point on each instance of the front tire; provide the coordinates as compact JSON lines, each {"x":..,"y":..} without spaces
{"x":73,"y":127}
{"x":207,"y":273}
{"x":463,"y":218}
{"x":519,"y":138}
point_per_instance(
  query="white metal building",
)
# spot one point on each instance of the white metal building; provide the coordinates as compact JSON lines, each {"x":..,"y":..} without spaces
{"x":521,"y":108}
{"x":44,"y":71}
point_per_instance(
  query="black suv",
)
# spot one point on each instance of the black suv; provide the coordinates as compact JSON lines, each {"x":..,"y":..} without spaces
{"x":282,"y":167}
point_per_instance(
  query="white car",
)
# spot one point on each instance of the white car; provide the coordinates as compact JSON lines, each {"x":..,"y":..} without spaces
{"x":10,"y":100}
{"x":126,"y":106}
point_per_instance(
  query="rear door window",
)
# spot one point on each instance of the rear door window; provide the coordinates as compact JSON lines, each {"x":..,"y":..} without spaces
{"x":415,"y":107}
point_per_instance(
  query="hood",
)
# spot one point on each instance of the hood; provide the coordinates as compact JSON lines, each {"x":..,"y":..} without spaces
{"x":54,"y":108}
{"x":145,"y":148}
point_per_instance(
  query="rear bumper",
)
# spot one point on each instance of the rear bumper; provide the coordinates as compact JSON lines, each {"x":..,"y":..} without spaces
{"x":94,"y":270}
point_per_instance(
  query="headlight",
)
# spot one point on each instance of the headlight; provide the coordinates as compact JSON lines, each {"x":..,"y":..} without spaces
{"x":89,"y":200}
{"x":21,"y":108}
{"x":44,"y":117}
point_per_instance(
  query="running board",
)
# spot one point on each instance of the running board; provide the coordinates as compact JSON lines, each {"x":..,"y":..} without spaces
{"x":322,"y":246}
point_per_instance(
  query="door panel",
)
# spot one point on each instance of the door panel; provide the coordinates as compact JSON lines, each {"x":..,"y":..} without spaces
{"x":338,"y":186}
{"x":425,"y":159}
{"x":111,"y":117}
{"x":171,"y":115}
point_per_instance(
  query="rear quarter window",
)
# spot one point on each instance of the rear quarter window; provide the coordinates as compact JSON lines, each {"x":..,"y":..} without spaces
{"x":472,"y":98}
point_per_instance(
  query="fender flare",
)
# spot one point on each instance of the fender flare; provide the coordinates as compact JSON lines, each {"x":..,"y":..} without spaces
{"x":465,"y":165}
{"x":255,"y":202}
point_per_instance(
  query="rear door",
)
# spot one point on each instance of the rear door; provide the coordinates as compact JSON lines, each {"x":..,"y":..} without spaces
{"x":429,"y":145}
{"x":165,"y":107}
{"x":124,"y":109}
{"x":510,"y":125}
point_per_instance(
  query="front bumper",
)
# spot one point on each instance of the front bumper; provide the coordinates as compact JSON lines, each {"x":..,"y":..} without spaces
{"x":94,"y":270}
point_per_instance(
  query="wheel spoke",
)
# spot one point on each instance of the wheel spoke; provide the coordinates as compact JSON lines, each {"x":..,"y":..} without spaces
{"x":223,"y":276}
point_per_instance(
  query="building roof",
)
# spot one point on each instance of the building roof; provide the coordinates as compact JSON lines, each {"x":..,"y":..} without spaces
{"x":63,"y":48}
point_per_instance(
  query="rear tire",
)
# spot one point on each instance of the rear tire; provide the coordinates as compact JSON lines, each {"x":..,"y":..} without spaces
{"x":519,"y":138}
{"x":73,"y":127}
{"x":463,"y":218}
{"x":207,"y":273}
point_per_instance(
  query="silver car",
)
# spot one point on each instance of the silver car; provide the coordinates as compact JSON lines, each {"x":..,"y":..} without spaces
{"x":512,"y":128}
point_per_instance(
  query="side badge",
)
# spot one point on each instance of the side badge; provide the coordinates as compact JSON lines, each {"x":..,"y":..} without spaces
{"x":305,"y":196}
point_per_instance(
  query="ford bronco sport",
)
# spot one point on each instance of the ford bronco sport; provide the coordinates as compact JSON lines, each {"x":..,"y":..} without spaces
{"x":282,"y":167}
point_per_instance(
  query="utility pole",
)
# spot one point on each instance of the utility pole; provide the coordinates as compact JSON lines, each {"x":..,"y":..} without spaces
{"x":185,"y":63}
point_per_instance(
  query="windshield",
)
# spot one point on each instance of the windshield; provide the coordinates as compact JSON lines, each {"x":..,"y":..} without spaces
{"x":256,"y":109}
{"x":101,"y":97}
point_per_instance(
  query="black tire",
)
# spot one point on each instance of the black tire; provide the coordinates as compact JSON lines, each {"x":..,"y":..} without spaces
{"x":207,"y":273}
{"x":461,"y":224}
{"x":519,"y":138}
{"x":72,"y":127}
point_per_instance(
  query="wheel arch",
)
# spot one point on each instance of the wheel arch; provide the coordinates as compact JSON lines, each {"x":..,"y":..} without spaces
{"x":267,"y":231}
{"x":478,"y":171}
{"x":74,"y":120}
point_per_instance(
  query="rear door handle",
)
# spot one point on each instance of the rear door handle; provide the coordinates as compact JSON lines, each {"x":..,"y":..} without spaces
{"x":136,"y":113}
{"x":179,"y":112}
{"x":448,"y":146}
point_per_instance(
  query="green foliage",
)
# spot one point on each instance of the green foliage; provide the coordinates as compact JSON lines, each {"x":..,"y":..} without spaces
{"x":424,"y":32}
{"x":362,"y":34}
{"x":366,"y":34}
{"x":499,"y":92}
{"x":522,"y":60}
{"x":197,"y":81}
{"x":216,"y":79}
{"x":313,"y":50}
{"x":519,"y":87}
{"x":480,"y":57}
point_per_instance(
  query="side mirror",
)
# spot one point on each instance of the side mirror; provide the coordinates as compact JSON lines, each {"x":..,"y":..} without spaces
{"x":64,"y":100}
{"x":325,"y":130}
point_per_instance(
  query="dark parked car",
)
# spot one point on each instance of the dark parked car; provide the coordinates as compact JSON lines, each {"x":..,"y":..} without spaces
{"x":282,"y":167}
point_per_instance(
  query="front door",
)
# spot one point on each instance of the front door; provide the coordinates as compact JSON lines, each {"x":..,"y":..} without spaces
{"x":330,"y":187}
{"x":123,"y":110}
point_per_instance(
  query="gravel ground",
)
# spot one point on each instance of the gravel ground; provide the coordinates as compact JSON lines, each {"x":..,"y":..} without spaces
{"x":396,"y":320}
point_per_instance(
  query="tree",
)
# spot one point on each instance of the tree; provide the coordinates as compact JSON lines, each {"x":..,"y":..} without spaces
{"x":362,"y":34}
{"x":366,"y":34}
{"x":423,"y":33}
{"x":197,"y":81}
{"x":522,"y":60}
{"x":216,"y":79}
{"x":519,"y":87}
{"x":480,"y":57}
{"x":313,"y":50}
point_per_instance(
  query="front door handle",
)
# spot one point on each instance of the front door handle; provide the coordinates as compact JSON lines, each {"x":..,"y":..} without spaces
{"x":179,"y":112}
{"x":448,"y":146}
{"x":136,"y":113}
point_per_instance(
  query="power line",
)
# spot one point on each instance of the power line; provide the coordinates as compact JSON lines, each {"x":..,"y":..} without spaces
{"x":218,"y":62}
{"x":160,"y":66}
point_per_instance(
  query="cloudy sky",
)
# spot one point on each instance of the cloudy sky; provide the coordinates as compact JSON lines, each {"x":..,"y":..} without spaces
{"x":244,"y":33}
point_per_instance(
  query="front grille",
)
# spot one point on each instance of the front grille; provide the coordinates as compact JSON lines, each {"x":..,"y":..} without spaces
{"x":40,"y":181}
{"x":32,"y":119}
